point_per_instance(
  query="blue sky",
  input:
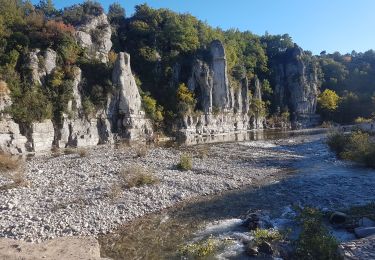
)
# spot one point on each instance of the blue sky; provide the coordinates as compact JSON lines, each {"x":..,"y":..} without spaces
{"x":316,"y":25}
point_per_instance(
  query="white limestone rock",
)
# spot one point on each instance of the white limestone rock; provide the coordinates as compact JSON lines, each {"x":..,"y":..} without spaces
{"x":221,"y":94}
{"x":76,"y":103}
{"x":11,"y":140}
{"x":41,"y":64}
{"x":41,"y":136}
{"x":297,"y":85}
{"x":125,"y":107}
{"x":79,"y":132}
{"x":95,"y":36}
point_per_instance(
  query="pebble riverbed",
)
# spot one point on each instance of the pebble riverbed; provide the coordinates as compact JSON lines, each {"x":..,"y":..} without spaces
{"x":69,"y":195}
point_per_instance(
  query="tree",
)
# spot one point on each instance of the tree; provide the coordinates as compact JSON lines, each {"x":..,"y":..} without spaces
{"x":47,"y":7}
{"x":186,"y":99}
{"x":116,"y":14}
{"x":328,"y":100}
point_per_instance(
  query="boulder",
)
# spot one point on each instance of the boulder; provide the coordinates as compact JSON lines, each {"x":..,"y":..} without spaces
{"x":41,"y":136}
{"x":338,"y":218}
{"x":11,"y":139}
{"x":362,"y":232}
{"x":265,"y":248}
{"x":366,"y":222}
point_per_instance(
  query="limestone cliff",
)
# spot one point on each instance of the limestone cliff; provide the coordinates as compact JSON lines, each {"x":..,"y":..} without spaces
{"x":40,"y":64}
{"x":297,"y":85}
{"x":125,"y":108}
{"x":123,"y":116}
{"x":225,"y":108}
{"x":95,"y":36}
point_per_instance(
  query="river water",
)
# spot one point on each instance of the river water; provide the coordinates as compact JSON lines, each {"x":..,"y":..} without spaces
{"x":316,"y":178}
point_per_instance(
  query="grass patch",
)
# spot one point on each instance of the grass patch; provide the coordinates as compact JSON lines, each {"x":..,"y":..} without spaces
{"x":266,"y":235}
{"x":203,"y":248}
{"x":114,"y":191}
{"x":314,"y":242}
{"x":136,"y":176}
{"x":68,"y":151}
{"x":18,"y":180}
{"x":357,"y":146}
{"x":186,"y":162}
{"x":9,"y":163}
{"x":82,"y":152}
{"x":141,"y":151}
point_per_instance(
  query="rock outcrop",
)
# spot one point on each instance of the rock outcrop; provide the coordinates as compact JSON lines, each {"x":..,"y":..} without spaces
{"x":225,"y":108}
{"x":95,"y":36}
{"x":11,"y":140}
{"x":123,"y":116}
{"x":125,"y":107}
{"x":297,"y":85}
{"x":41,"y":64}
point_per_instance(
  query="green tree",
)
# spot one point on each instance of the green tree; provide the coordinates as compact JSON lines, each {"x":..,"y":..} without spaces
{"x":186,"y":99}
{"x":116,"y":14}
{"x":47,"y":7}
{"x":328,"y":100}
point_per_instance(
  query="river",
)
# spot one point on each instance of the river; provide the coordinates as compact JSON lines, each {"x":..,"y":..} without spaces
{"x":314,"y":178}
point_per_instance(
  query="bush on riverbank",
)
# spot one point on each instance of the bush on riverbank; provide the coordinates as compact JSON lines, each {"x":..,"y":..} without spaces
{"x":315,"y":242}
{"x":137,"y":176}
{"x":8,"y":163}
{"x":186,"y":162}
{"x":356,"y":146}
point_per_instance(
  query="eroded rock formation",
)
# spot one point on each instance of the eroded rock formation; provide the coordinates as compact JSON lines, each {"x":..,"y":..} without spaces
{"x":125,"y":108}
{"x":95,"y":36}
{"x":40,"y":64}
{"x":11,"y":140}
{"x":225,"y":108}
{"x":297,"y":85}
{"x":123,"y":117}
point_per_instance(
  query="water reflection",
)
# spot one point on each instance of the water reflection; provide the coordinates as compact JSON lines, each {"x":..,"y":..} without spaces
{"x":253,"y":135}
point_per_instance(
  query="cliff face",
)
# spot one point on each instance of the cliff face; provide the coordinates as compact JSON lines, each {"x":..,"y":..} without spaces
{"x":297,"y":86}
{"x":125,"y":108}
{"x":95,"y":36}
{"x":225,"y":109}
{"x":123,"y":116}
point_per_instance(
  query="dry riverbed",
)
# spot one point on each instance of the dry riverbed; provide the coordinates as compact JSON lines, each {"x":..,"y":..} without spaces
{"x":70,"y":195}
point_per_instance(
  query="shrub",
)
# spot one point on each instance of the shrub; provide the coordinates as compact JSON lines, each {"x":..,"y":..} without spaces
{"x":315,"y":242}
{"x":18,"y":180}
{"x":200,"y":249}
{"x":186,"y":162}
{"x":141,"y":151}
{"x":136,"y":176}
{"x":8,"y":163}
{"x":82,"y":152}
{"x":70,"y":151}
{"x":266,"y":235}
{"x":336,"y":142}
{"x":35,"y":99}
{"x":88,"y":107}
{"x":186,"y":100}
{"x":357,"y":147}
{"x":361,"y":120}
{"x":115,"y":191}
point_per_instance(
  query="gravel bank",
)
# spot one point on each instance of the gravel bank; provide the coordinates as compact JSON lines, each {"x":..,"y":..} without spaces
{"x":70,"y":195}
